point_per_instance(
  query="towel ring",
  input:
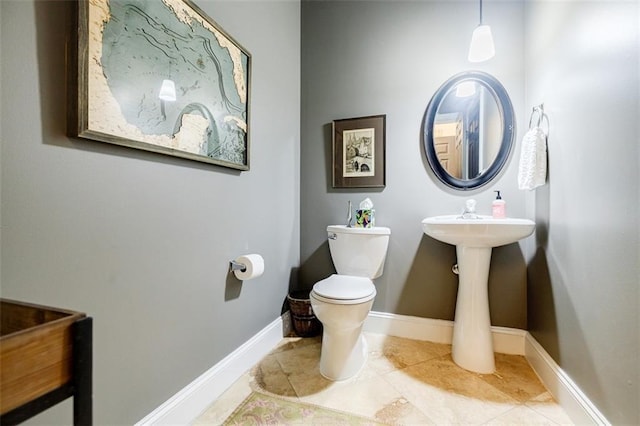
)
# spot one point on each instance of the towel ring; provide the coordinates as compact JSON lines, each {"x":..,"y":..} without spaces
{"x":537,"y":109}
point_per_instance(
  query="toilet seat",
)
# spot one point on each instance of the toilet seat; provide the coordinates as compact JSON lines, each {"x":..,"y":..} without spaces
{"x":344,"y":290}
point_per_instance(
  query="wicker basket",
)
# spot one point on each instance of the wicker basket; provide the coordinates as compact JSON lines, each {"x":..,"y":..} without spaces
{"x":305,"y":323}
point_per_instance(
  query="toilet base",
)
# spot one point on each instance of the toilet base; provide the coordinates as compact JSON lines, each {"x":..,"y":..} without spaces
{"x":344,"y":349}
{"x":344,"y":353}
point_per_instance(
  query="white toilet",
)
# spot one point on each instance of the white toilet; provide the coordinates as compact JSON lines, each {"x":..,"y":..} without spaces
{"x":343,"y":301}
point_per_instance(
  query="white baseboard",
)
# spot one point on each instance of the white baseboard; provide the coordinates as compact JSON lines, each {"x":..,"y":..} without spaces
{"x":188,"y":403}
{"x":574,"y":402}
{"x":433,"y":330}
{"x":505,"y":340}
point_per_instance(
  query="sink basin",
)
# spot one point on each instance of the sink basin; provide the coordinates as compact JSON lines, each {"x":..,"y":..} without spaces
{"x":472,"y":345}
{"x":482,"y":232}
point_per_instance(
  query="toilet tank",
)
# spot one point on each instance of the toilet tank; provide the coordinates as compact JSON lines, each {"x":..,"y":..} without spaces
{"x":358,"y":251}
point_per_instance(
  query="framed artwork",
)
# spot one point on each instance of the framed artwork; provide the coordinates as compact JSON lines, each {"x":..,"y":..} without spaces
{"x":359,"y":152}
{"x":161,"y":76}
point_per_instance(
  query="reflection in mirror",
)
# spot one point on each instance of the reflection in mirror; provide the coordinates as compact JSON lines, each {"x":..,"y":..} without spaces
{"x":468,"y":130}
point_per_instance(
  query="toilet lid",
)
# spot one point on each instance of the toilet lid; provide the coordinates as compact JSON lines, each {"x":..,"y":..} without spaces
{"x":344,"y":287}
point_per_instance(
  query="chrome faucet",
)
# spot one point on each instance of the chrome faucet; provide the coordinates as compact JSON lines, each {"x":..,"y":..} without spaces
{"x":469,"y":211}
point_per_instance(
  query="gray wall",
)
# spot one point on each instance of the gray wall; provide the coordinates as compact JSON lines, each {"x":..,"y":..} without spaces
{"x":366,"y":58}
{"x":142,"y":241}
{"x":582,"y":62}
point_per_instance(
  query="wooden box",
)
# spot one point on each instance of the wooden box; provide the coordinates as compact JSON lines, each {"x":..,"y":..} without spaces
{"x":36,"y":351}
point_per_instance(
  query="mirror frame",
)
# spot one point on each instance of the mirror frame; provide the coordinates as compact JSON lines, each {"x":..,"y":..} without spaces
{"x":508,"y":130}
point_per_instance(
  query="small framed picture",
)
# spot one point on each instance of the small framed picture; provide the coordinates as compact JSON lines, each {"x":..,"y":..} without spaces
{"x":359,"y":152}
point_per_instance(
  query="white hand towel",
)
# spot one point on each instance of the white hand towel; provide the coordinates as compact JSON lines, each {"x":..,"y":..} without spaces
{"x":533,"y":159}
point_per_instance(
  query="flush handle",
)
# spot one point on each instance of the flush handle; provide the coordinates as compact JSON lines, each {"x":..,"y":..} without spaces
{"x":333,"y":236}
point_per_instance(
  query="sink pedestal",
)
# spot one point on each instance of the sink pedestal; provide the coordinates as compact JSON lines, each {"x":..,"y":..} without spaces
{"x":472,"y":347}
{"x":474,"y":238}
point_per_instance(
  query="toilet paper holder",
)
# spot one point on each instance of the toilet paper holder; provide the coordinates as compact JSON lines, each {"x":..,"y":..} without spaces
{"x":237,"y":266}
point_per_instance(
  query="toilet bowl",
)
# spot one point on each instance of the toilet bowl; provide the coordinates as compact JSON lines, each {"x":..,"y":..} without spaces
{"x":342,"y":301}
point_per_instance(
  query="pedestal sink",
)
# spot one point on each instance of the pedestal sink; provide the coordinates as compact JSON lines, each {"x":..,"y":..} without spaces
{"x":472,"y":346}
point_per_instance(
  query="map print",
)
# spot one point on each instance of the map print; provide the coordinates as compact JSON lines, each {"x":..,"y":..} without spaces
{"x":141,"y":47}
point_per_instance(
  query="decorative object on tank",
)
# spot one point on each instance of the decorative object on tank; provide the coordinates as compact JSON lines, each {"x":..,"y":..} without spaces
{"x":365,"y":215}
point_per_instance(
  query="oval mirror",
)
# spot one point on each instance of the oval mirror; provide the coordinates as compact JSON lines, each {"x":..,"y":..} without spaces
{"x":468,"y":130}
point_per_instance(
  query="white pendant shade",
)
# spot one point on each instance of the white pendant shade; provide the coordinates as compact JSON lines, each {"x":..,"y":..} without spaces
{"x":168,"y":91}
{"x":481,"y":48}
{"x":465,"y":89}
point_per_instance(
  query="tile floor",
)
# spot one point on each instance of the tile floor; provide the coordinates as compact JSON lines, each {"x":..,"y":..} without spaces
{"x":404,"y":381}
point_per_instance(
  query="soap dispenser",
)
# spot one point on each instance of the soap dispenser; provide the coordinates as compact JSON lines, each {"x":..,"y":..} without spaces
{"x":499,"y":207}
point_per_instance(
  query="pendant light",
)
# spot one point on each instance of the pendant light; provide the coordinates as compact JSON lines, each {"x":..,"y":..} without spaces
{"x":168,"y":91}
{"x":481,"y":48}
{"x":465,"y":89}
{"x":167,"y":94}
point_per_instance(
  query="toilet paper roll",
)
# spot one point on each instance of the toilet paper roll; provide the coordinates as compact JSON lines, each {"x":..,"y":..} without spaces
{"x":254,"y":266}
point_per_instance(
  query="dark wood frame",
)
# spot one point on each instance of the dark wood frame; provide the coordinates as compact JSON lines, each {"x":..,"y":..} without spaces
{"x":378,"y":123}
{"x":79,"y":79}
